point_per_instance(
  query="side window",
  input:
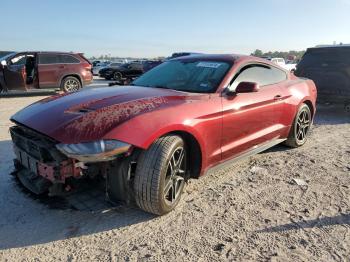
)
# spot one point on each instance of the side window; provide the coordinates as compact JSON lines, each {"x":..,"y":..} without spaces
{"x":68,"y":59}
{"x":18,"y":60}
{"x":138,"y":67}
{"x":47,"y":59}
{"x":263,"y":75}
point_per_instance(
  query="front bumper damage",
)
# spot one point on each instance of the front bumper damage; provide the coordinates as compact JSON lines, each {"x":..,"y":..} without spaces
{"x":39,"y":164}
{"x":42,"y":168}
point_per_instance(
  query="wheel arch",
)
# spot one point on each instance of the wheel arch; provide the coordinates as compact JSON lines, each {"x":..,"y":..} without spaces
{"x":311,"y":106}
{"x":118,"y":71}
{"x":193,"y":140}
{"x":194,"y":152}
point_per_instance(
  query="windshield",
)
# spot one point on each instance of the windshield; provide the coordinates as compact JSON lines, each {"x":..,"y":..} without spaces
{"x":125,"y":65}
{"x":189,"y":76}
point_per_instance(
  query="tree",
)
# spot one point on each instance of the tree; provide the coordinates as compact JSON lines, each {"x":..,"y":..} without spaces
{"x":286,"y":55}
{"x":257,"y":52}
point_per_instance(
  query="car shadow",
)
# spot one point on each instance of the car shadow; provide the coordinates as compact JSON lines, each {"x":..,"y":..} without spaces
{"x":27,"y":220}
{"x":343,"y":219}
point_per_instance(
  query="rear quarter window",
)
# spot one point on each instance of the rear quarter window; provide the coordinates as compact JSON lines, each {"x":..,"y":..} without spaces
{"x":68,"y":59}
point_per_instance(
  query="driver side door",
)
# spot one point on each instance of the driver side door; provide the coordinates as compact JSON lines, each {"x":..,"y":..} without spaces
{"x":251,"y":119}
{"x":14,"y":72}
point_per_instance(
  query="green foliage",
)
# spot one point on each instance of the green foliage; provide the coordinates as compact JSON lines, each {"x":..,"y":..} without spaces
{"x":285,"y":55}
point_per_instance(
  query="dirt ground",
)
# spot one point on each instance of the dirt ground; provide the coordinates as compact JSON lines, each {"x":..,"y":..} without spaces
{"x":251,"y":211}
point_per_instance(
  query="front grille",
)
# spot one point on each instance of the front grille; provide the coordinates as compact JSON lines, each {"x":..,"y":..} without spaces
{"x":34,"y":144}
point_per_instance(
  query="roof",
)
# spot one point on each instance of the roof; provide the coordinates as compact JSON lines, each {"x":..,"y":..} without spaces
{"x":330,"y":46}
{"x":48,"y":52}
{"x":231,"y":58}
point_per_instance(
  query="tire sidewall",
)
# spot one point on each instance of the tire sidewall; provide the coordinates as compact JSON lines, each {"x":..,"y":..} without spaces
{"x":302,"y":108}
{"x":67,"y":79}
{"x":120,"y":76}
{"x":164,"y":207}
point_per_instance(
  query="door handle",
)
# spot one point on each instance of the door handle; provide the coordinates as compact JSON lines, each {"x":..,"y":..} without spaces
{"x":278,"y":97}
{"x":61,"y":67}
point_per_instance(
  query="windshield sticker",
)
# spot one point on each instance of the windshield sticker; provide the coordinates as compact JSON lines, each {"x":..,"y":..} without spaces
{"x":208,"y":64}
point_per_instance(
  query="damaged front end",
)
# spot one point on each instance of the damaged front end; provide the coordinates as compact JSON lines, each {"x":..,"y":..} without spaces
{"x":44,"y":165}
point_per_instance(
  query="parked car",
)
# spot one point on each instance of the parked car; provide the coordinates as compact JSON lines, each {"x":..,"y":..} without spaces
{"x":329,"y":68}
{"x":5,"y":53}
{"x":127,"y":71}
{"x":180,"y":54}
{"x":97,"y":67}
{"x":149,"y":64}
{"x":177,"y":121}
{"x":41,"y":70}
{"x":112,"y":65}
{"x":96,"y":62}
{"x":290,"y":66}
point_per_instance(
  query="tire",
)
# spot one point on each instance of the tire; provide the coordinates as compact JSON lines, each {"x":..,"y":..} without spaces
{"x":118,"y":179}
{"x":157,"y":189}
{"x":70,"y":84}
{"x":117,"y":76}
{"x":346,"y":107}
{"x":300,"y":128}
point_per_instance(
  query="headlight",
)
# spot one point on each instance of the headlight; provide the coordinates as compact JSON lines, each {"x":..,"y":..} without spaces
{"x":97,"y":151}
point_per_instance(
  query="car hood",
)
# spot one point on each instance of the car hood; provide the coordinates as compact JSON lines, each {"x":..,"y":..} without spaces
{"x":89,"y":114}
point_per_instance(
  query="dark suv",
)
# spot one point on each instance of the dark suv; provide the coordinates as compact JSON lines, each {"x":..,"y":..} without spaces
{"x":41,"y":70}
{"x":329,"y":68}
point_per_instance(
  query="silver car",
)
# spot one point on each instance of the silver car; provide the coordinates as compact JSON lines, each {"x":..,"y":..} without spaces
{"x":99,"y":66}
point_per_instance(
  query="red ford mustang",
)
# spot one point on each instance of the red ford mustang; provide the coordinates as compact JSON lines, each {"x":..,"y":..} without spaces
{"x":174,"y":123}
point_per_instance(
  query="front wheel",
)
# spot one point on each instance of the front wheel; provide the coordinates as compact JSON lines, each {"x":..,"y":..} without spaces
{"x":160,"y":175}
{"x":300,"y":128}
{"x":117,"y":76}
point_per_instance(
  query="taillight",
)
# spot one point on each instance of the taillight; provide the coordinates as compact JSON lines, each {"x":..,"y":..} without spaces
{"x":87,"y":67}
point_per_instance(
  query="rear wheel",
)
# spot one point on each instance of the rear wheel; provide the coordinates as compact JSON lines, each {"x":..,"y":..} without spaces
{"x":160,"y":175}
{"x":300,"y":128}
{"x":70,"y":84}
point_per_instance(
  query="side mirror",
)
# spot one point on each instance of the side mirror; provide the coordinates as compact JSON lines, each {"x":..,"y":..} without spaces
{"x":3,"y":63}
{"x":247,"y":87}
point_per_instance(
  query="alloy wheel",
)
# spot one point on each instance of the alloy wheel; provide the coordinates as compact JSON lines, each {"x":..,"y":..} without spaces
{"x":71,"y":85}
{"x":303,"y":125}
{"x":175,"y":176}
{"x":117,"y":76}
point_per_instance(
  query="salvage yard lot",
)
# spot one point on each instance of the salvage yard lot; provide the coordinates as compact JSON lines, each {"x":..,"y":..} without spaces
{"x":251,"y":210}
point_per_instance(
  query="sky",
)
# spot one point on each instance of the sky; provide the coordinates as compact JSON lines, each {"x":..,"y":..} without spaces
{"x":151,"y":28}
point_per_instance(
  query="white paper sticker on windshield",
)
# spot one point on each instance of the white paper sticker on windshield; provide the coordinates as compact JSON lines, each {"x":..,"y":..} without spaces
{"x":208,"y":64}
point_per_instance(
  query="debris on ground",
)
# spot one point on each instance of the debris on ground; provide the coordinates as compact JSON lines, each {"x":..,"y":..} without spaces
{"x":300,"y":182}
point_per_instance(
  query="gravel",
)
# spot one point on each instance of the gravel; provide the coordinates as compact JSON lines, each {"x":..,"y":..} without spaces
{"x":252,"y":210}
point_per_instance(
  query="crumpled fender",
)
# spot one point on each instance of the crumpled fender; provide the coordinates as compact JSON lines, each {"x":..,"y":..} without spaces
{"x":142,"y":133}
